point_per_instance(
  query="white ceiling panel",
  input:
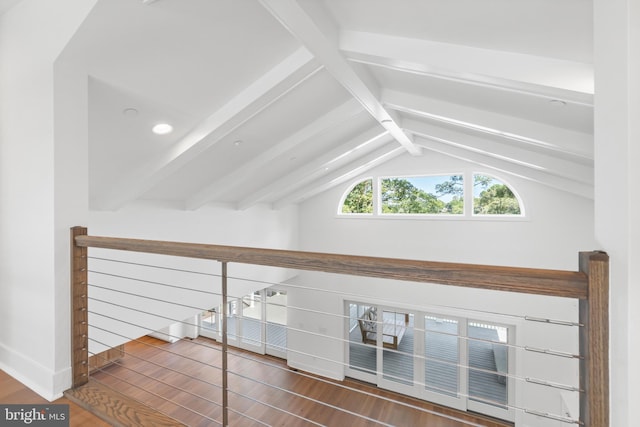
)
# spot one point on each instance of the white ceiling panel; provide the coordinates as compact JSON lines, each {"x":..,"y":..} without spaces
{"x":550,"y":28}
{"x":319,"y":91}
{"x":543,"y":109}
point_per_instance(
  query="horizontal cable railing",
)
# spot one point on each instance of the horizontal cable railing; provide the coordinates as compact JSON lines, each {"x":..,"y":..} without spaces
{"x":138,"y":324}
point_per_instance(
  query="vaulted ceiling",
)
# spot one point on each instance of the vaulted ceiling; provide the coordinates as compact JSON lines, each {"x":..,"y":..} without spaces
{"x":273,"y":101}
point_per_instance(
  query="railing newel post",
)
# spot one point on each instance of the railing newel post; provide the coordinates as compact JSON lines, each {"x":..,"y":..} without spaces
{"x":594,"y":341}
{"x":79,"y":311}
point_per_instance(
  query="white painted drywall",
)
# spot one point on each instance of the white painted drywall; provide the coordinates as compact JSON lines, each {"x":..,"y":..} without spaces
{"x":317,"y":336}
{"x":557,"y":225}
{"x":617,"y":151}
{"x":42,"y":181}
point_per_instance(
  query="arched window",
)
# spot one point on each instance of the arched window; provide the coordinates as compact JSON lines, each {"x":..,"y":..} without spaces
{"x":428,"y":195}
{"x":359,"y":198}
{"x":493,"y":197}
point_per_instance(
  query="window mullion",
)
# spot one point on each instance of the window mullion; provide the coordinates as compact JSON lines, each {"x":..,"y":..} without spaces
{"x":468,"y":195}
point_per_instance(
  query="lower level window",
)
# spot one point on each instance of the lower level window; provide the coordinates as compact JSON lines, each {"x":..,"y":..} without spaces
{"x":455,"y":361}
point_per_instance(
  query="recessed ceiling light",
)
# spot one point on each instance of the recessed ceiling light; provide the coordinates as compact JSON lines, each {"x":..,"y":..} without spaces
{"x":237,"y":142}
{"x":162,"y":129}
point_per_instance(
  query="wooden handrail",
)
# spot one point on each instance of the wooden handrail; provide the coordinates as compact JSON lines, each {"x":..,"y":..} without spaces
{"x":512,"y":279}
{"x":590,"y":285}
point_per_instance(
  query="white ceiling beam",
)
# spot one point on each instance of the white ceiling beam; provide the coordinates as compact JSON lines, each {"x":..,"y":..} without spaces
{"x":574,"y":145}
{"x":340,"y":176}
{"x":313,"y":34}
{"x":311,"y":171}
{"x":534,"y":75}
{"x":267,"y":89}
{"x":563,"y":184}
{"x":506,"y":150}
{"x":328,"y":121}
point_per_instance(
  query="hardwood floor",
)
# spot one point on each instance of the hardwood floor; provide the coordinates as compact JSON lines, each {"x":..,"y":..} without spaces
{"x":183,"y":380}
{"x":13,"y":392}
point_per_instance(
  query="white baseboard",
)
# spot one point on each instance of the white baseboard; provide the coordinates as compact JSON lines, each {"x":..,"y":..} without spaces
{"x":43,"y":381}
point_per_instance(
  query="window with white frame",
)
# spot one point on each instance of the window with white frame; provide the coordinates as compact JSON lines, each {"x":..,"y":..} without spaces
{"x":429,"y":195}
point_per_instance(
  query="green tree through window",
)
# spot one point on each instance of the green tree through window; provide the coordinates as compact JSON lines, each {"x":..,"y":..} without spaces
{"x":455,"y":188}
{"x":432,"y":195}
{"x":401,"y":196}
{"x":360,"y":198}
{"x":422,"y":195}
{"x":492,"y":197}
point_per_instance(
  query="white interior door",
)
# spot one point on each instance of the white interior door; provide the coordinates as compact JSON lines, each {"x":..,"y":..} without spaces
{"x":443,"y":352}
{"x":251,"y":327}
{"x":490,"y":360}
{"x":276,"y":322}
{"x":396,"y":344}
{"x":362,"y":357}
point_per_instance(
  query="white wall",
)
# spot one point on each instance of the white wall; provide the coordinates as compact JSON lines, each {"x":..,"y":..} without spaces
{"x":617,"y":151}
{"x":558,"y":225}
{"x":317,"y":339}
{"x":41,"y":182}
{"x":259,"y":226}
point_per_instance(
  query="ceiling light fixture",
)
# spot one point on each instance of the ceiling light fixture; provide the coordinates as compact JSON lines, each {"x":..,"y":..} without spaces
{"x":237,"y":142}
{"x":162,"y":129}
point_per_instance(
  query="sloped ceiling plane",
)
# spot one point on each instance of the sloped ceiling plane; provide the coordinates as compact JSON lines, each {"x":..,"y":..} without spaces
{"x":275,"y":100}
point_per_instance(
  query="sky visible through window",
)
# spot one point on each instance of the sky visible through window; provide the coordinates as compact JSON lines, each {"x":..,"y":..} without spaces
{"x":477,"y":189}
{"x":428,"y":184}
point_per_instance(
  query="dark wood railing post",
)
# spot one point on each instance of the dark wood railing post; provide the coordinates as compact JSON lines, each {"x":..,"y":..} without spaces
{"x":225,"y":348}
{"x":594,"y":341}
{"x":79,"y":315}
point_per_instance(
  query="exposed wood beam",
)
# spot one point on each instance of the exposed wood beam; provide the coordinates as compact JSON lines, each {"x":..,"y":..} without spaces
{"x":312,"y":33}
{"x":506,"y":150}
{"x":532,"y":75}
{"x":341,"y":175}
{"x":334,"y":159}
{"x":558,"y":183}
{"x":334,"y":117}
{"x":563,"y":142}
{"x":270,"y":87}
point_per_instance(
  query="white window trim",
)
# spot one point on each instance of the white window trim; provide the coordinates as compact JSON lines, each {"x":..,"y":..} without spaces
{"x":468,"y":214}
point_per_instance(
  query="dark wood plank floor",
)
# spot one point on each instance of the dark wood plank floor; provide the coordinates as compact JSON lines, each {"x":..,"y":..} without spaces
{"x":190,"y":391}
{"x":13,"y":392}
